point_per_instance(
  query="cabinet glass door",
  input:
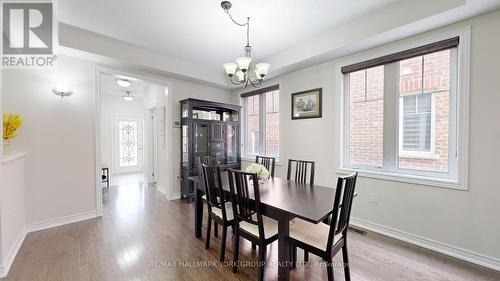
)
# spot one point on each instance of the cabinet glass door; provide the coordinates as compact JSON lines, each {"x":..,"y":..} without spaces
{"x":185,"y":146}
{"x":200,"y":142}
{"x":232,"y":143}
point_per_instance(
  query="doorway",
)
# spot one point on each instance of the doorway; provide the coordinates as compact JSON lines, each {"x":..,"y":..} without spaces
{"x":133,"y":141}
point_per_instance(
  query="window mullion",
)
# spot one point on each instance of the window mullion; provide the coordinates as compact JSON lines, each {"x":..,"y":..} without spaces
{"x":391,"y":116}
{"x":262,"y":124}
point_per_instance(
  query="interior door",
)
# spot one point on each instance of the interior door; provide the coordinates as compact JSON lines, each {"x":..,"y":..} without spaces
{"x":127,"y":144}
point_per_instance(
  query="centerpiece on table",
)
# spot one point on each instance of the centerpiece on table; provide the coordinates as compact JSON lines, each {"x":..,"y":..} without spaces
{"x":258,"y":169}
{"x":11,"y":122}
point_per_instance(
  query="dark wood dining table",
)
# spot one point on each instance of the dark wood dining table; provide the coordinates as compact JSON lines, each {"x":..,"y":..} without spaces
{"x":281,"y":200}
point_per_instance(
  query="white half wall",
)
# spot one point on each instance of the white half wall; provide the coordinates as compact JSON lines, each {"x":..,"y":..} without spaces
{"x":460,"y":222}
{"x":12,"y":209}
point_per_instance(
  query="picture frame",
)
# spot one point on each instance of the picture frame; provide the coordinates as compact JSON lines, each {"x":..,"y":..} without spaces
{"x":307,"y":104}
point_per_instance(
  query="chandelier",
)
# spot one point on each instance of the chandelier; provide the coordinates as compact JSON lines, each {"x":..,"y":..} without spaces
{"x":242,"y":71}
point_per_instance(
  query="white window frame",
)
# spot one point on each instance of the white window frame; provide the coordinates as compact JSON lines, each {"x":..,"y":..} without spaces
{"x":457,"y":178}
{"x":262,"y":129}
{"x":431,"y":154}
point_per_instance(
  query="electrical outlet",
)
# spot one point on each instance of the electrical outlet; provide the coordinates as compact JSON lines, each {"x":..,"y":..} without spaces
{"x":374,"y":198}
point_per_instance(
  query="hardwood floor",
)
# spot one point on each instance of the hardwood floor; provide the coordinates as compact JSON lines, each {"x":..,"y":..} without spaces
{"x":143,"y":236}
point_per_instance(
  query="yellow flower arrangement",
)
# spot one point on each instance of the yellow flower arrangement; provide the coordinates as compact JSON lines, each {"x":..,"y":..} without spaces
{"x":11,"y":122}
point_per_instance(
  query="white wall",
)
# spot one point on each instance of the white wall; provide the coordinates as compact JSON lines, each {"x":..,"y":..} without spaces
{"x":177,"y":91}
{"x":155,"y":96}
{"x":465,"y":220}
{"x":112,"y":105}
{"x":58,"y":136}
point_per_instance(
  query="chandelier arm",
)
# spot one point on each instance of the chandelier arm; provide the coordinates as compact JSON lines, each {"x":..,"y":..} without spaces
{"x":235,"y":82}
{"x":254,"y":82}
{"x":257,"y":84}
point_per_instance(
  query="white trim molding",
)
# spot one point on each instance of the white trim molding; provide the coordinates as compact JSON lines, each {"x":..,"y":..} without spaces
{"x":11,"y":255}
{"x":7,"y":263}
{"x":175,"y":196}
{"x":162,"y":190}
{"x":50,"y":223}
{"x":443,"y":248}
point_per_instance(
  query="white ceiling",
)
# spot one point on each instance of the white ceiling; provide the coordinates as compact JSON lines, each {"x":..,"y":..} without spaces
{"x":199,"y":31}
{"x":108,"y":86}
{"x":191,"y":39}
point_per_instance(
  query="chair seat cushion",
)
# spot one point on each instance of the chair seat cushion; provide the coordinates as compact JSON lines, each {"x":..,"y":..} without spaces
{"x":270,"y":227}
{"x":204,"y":198}
{"x":312,"y":234}
{"x":229,"y":211}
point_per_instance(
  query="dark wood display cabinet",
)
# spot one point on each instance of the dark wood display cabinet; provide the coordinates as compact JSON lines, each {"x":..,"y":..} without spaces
{"x":210,"y":133}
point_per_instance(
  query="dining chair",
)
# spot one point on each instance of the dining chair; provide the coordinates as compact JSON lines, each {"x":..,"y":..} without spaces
{"x":219,"y":209}
{"x":325,"y":240}
{"x":298,"y":171}
{"x":209,"y":161}
{"x":249,"y":223}
{"x":268,"y":162}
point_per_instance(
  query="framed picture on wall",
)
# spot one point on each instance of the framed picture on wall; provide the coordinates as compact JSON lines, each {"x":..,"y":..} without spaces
{"x":307,"y":104}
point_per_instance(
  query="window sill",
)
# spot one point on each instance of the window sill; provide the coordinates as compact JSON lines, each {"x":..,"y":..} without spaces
{"x":405,"y":178}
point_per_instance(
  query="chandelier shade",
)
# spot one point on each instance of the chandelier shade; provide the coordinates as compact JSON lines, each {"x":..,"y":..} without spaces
{"x":263,"y":68}
{"x":230,"y":68}
{"x":243,"y":63}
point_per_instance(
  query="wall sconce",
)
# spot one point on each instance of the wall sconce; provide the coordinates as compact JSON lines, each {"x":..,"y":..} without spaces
{"x":62,"y":91}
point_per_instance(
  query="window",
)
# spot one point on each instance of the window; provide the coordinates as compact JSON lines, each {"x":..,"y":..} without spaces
{"x":401,"y":113}
{"x":261,"y":122}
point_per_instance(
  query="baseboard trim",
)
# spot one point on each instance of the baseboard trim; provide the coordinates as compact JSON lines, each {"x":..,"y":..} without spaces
{"x":9,"y":260}
{"x":46,"y":224}
{"x":456,"y":252}
{"x":162,"y":189}
{"x":175,"y":196}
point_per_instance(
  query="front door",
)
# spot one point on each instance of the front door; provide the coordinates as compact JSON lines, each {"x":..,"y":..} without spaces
{"x":127,"y":144}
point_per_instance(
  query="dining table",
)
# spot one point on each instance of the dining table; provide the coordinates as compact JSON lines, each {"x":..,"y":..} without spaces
{"x":281,"y":200}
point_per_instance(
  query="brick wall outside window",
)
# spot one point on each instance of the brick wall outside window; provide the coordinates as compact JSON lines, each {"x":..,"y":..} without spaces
{"x":271,"y":123}
{"x":366,"y":99}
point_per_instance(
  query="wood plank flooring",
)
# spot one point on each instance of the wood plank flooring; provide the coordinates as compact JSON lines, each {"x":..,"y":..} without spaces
{"x":143,"y":236}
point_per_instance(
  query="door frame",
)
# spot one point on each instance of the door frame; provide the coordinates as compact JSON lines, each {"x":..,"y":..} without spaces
{"x":114,"y":165}
{"x":169,"y":130}
{"x":153,"y":112}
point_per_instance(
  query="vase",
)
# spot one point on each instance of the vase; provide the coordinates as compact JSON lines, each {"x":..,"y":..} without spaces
{"x":6,"y":147}
{"x":262,"y":181}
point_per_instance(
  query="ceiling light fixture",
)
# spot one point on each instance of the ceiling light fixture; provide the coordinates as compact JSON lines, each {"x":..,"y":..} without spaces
{"x":124,"y":83}
{"x":241,"y":71}
{"x":62,"y":91}
{"x":128,"y":96}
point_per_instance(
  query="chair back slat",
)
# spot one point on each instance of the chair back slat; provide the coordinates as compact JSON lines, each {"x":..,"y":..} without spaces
{"x":302,"y":171}
{"x":243,"y":207}
{"x":268,"y":162}
{"x":342,"y":206}
{"x":213,"y":186}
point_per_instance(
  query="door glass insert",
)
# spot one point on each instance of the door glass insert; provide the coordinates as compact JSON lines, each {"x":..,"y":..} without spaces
{"x":128,"y":143}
